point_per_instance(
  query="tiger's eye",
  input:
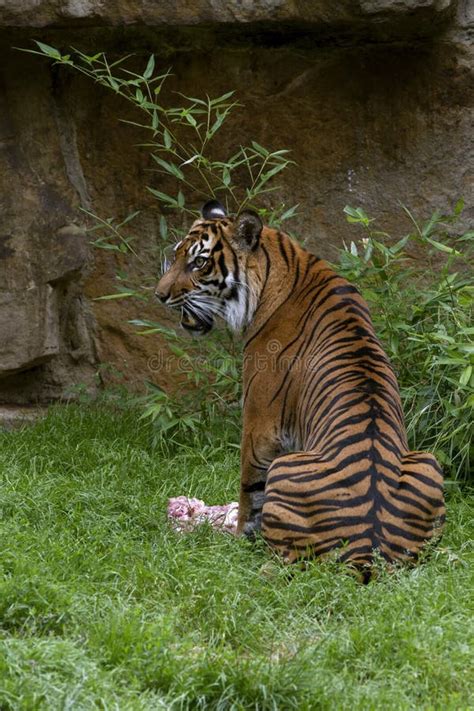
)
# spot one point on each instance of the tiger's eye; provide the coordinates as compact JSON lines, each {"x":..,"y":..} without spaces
{"x":199,"y":262}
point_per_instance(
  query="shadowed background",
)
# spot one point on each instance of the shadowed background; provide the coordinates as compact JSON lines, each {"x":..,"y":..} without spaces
{"x":374,"y":99}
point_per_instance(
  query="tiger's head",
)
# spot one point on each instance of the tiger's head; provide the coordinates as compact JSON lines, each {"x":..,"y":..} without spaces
{"x":208,"y":274}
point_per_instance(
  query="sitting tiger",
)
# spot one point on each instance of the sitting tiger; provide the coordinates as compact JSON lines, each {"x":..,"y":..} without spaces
{"x":325,"y":464}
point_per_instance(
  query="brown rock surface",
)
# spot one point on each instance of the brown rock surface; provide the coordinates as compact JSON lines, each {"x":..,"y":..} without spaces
{"x":375,"y":99}
{"x":321,"y":13}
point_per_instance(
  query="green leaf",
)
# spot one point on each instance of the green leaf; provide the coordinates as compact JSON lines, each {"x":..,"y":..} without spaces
{"x":178,"y":351}
{"x":193,"y":99}
{"x":398,"y":246}
{"x":443,"y":247}
{"x":105,"y":245}
{"x":466,"y":375}
{"x":428,"y":226}
{"x":289,"y":213}
{"x":168,"y":167}
{"x":129,"y":218}
{"x":48,"y":50}
{"x":167,"y":138}
{"x":90,"y":59}
{"x":221,"y":99}
{"x":163,"y":228}
{"x":190,"y":119}
{"x":163,"y":197}
{"x":270,"y":174}
{"x":134,"y":123}
{"x":226,"y":179}
{"x":120,"y":295}
{"x":216,"y":125}
{"x":191,"y":160}
{"x":449,"y":361}
{"x":459,"y":207}
{"x":180,"y":199}
{"x":260,"y":149}
{"x":467,"y":236}
{"x":113,"y":83}
{"x":158,"y":328}
{"x":150,"y":68}
{"x":357,"y":215}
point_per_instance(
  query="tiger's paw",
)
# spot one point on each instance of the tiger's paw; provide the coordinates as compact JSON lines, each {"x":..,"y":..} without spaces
{"x":252,"y":527}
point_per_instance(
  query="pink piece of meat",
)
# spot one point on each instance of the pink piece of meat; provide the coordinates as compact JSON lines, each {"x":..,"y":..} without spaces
{"x":186,"y":513}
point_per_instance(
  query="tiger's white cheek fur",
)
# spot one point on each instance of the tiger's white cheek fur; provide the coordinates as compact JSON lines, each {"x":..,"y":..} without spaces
{"x":240,"y":310}
{"x":235,"y":313}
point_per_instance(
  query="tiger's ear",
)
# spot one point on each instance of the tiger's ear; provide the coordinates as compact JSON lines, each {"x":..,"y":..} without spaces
{"x":248,"y":227}
{"x":213,"y":210}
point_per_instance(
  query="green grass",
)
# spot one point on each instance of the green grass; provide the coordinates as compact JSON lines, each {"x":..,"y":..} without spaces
{"x":103,"y":606}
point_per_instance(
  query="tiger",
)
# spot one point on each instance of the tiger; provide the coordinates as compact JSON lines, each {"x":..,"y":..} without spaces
{"x":325,"y":464}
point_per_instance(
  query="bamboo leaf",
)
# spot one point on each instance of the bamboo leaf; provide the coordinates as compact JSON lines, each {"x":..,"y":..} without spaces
{"x":48,"y":50}
{"x":442,"y":247}
{"x":289,"y":213}
{"x":120,"y":295}
{"x":168,"y":167}
{"x":163,"y":197}
{"x":167,"y":138}
{"x":191,"y":160}
{"x":150,"y":68}
{"x":192,"y":99}
{"x":270,"y":174}
{"x":163,"y":228}
{"x":459,"y":207}
{"x":226,"y":179}
{"x":128,"y":219}
{"x":105,"y":245}
{"x":216,"y":125}
{"x":113,"y":83}
{"x":221,"y":99}
{"x":260,"y":149}
{"x":190,"y":119}
{"x":465,"y":375}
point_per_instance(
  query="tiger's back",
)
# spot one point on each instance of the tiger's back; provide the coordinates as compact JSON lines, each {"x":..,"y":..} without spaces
{"x":352,"y":484}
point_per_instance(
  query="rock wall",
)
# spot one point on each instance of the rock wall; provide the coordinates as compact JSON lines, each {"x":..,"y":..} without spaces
{"x":374,"y":97}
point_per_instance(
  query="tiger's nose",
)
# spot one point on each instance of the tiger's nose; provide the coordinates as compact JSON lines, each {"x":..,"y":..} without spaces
{"x":162,"y":294}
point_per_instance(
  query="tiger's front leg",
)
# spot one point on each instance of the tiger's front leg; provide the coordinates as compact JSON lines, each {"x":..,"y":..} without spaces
{"x":258,"y":450}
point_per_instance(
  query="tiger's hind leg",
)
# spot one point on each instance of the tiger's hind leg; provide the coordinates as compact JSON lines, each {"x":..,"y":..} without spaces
{"x":312,"y":508}
{"x":417,"y":511}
